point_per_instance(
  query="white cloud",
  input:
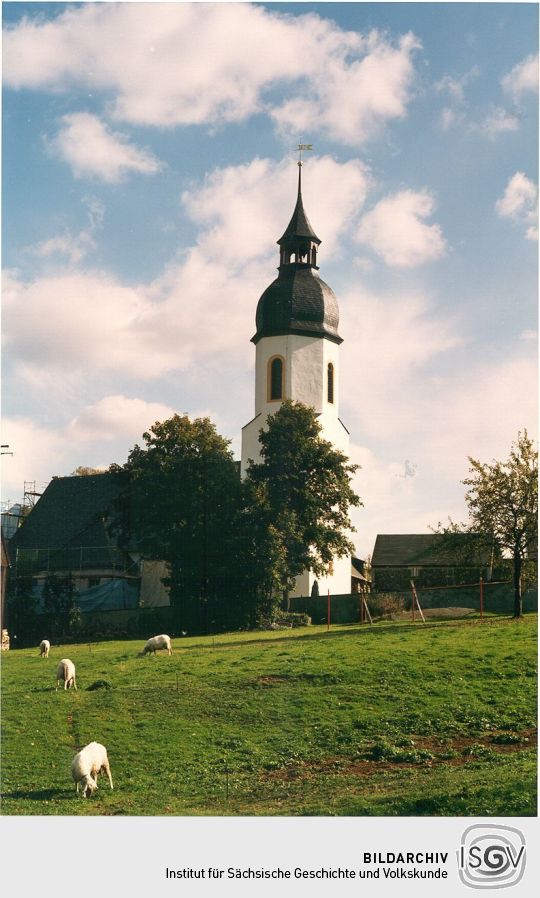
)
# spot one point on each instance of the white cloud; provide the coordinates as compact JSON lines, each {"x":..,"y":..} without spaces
{"x":395,"y":230}
{"x":389,"y":499}
{"x":478,"y":412}
{"x":201,"y":308}
{"x":522,"y":79}
{"x":529,"y":335}
{"x":394,"y":337}
{"x":499,"y":121}
{"x":91,"y":150}
{"x":519,"y":203}
{"x":351,"y":101}
{"x":83,"y":318}
{"x":241,"y":208}
{"x":116,"y":417}
{"x":41,"y":452}
{"x":212,"y":63}
{"x":405,"y":411}
{"x":449,"y":117}
{"x":454,"y":87}
{"x":74,"y":247}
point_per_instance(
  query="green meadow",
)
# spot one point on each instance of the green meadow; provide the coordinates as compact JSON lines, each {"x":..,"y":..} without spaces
{"x":391,"y":719}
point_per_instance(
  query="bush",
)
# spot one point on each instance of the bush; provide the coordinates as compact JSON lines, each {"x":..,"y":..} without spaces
{"x":383,"y":750}
{"x":285,"y":620}
{"x":293,"y":619}
{"x":386,"y":604}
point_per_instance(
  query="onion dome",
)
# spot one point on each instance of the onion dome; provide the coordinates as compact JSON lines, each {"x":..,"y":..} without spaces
{"x":298,"y":301}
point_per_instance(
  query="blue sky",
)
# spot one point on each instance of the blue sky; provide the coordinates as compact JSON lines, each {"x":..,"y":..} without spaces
{"x":149,"y":169}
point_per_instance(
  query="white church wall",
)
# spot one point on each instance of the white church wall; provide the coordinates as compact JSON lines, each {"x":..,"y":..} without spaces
{"x":338,"y":582}
{"x":306,"y":364}
{"x":266,"y":349}
{"x":250,"y":442}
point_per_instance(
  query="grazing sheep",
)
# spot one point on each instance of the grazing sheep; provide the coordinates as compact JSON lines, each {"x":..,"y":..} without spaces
{"x":66,"y":672}
{"x":155,"y":643}
{"x":44,"y":647}
{"x":86,"y":765}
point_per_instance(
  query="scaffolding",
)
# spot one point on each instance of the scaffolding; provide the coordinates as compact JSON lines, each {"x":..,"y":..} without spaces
{"x":77,"y":560}
{"x":30,"y":494}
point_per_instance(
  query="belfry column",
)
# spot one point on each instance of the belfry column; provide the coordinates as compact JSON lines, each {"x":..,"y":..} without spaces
{"x":297,"y":356}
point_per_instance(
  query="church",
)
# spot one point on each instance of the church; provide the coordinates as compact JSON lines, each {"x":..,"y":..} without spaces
{"x":297,"y":357}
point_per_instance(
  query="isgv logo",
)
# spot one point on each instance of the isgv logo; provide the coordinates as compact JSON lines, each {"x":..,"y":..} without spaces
{"x":491,"y":857}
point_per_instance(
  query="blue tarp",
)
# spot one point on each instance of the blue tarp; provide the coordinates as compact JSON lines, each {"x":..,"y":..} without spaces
{"x":109,"y":596}
{"x":112,"y":595}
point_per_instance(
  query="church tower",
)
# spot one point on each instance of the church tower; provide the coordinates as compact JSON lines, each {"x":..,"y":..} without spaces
{"x":297,"y":357}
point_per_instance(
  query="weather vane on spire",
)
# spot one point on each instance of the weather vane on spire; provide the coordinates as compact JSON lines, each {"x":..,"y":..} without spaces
{"x":302,"y":147}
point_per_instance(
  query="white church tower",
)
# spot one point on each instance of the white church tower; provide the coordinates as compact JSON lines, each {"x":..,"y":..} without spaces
{"x":297,"y":357}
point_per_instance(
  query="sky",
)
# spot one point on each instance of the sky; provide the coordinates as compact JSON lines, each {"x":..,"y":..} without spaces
{"x":149,"y":168}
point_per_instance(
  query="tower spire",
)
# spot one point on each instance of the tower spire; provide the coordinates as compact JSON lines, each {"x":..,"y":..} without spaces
{"x":302,"y":147}
{"x":299,"y":243}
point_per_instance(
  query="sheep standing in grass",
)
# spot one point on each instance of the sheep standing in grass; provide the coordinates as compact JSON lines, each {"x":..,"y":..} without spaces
{"x":44,"y":647}
{"x":86,"y":765}
{"x":155,"y":643}
{"x":66,"y":672}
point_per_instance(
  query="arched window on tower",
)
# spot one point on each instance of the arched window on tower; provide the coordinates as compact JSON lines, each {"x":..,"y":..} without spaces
{"x":275,"y":378}
{"x":330,"y":382}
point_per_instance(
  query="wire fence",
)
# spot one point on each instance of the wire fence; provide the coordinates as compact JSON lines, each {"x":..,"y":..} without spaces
{"x":417,"y":603}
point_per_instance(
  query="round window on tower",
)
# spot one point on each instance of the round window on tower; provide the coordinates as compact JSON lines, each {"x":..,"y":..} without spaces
{"x":276,"y":378}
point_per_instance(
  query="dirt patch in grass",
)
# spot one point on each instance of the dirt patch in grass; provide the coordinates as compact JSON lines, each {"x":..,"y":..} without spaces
{"x":503,"y":741}
{"x":313,"y":679}
{"x":452,"y":752}
{"x":449,"y":613}
{"x":271,"y":680}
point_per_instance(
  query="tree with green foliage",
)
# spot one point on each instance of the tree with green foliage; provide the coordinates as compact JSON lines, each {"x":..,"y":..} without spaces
{"x":179,"y":505}
{"x":299,"y":496}
{"x":22,"y":602}
{"x":59,"y":594}
{"x":502,"y":498}
{"x":86,"y":471}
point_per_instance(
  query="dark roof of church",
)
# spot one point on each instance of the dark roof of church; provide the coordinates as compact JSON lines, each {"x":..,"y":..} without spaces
{"x":402,"y":549}
{"x":299,"y":225}
{"x":298,"y":302}
{"x":71,"y":512}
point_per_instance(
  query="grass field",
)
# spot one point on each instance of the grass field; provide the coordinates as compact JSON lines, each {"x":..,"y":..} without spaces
{"x":394,"y":719}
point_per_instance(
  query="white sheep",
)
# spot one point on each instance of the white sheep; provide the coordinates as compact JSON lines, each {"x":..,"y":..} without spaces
{"x":44,"y":647}
{"x":66,"y":672}
{"x":155,"y":643}
{"x":86,"y":765}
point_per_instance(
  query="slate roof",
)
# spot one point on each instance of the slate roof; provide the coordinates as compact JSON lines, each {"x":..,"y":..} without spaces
{"x":358,"y":569}
{"x":299,"y":225}
{"x":298,"y":302}
{"x":404,"y":549}
{"x":70,"y":513}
